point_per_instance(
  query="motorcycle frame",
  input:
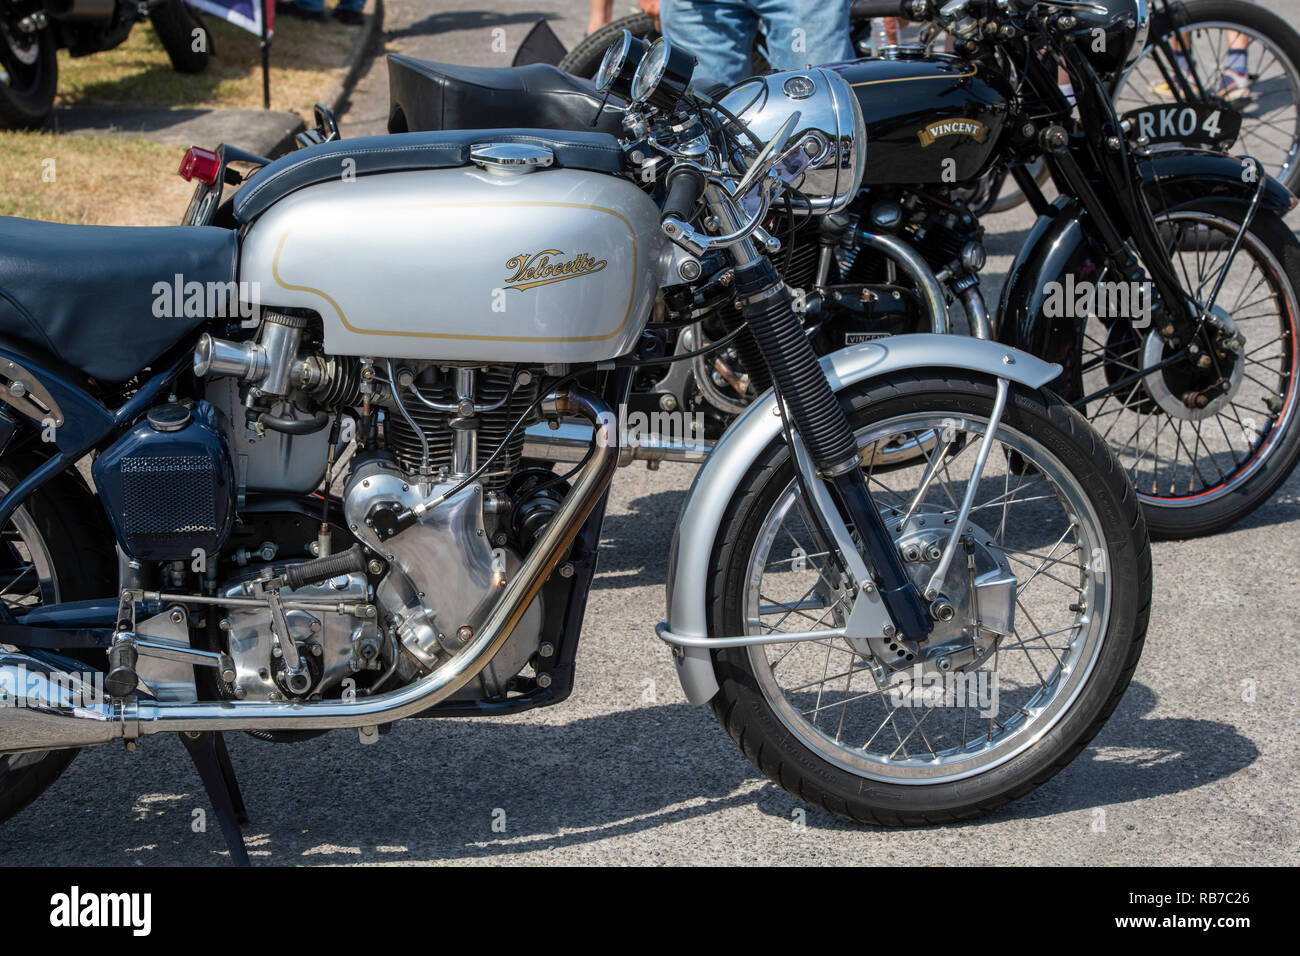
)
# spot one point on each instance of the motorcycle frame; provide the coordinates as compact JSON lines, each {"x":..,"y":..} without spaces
{"x":1106,"y":194}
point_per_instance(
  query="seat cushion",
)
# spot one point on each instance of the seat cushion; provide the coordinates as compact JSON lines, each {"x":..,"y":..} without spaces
{"x":423,"y":95}
{"x":408,"y":151}
{"x":103,"y":298}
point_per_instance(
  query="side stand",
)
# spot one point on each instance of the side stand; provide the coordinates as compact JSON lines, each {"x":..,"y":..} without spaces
{"x":208,"y":751}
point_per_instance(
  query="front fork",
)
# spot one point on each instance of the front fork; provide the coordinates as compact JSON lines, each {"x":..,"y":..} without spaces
{"x":823,"y":443}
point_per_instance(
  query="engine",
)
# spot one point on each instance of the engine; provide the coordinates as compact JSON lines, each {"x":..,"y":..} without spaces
{"x":434,"y":494}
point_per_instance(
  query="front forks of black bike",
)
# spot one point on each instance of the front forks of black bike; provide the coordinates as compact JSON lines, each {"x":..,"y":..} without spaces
{"x":826,"y":438}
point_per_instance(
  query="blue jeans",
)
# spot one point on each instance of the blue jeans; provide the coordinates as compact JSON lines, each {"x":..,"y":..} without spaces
{"x":318,"y":6}
{"x":720,"y":33}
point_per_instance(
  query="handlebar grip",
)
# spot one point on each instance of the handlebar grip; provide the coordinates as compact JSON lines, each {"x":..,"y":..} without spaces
{"x":867,"y":9}
{"x":685,"y":187}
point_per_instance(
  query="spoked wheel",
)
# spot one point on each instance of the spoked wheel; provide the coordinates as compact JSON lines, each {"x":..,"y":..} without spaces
{"x":1038,"y":625}
{"x":1211,"y":435}
{"x":55,"y":548}
{"x":1222,"y":34}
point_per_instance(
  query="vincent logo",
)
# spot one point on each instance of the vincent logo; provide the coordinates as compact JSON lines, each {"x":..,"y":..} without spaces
{"x":540,"y":268}
{"x":966,"y":127}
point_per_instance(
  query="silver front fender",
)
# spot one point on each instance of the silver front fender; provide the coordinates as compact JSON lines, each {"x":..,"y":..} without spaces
{"x":717,"y":481}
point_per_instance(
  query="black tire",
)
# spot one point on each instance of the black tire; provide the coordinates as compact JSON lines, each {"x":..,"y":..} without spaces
{"x":1277,"y":459}
{"x":71,"y":522}
{"x":27,"y":100}
{"x":175,"y":23}
{"x":748,"y":715}
{"x":584,"y":59}
{"x":1265,"y":23}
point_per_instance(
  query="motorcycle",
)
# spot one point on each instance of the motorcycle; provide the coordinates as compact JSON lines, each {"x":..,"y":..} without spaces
{"x":425,"y":297}
{"x":1187,"y":45}
{"x":33,"y":31}
{"x":1178,"y":334}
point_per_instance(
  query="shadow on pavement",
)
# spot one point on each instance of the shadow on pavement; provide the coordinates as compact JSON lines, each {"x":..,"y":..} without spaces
{"x":433,"y":789}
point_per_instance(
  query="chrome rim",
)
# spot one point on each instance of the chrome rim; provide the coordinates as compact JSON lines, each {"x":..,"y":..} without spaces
{"x":1270,"y":116}
{"x":835,"y":695}
{"x":27,"y":580}
{"x":1174,"y":455}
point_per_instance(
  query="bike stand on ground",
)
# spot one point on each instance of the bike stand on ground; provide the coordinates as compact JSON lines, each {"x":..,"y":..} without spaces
{"x":207,"y":749}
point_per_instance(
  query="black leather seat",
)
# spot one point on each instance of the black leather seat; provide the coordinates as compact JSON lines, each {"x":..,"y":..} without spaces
{"x":408,"y":151}
{"x":102,"y":298}
{"x":423,"y":95}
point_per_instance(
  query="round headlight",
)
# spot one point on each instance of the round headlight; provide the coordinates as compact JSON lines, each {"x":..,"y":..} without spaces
{"x":663,"y":75}
{"x":619,"y":65}
{"x":1142,"y":25}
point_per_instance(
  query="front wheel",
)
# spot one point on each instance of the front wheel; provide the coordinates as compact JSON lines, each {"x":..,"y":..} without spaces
{"x":1207,"y":430}
{"x":1044,"y":610}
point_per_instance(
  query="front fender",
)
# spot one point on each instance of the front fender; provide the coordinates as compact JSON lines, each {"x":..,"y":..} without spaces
{"x":1172,"y":178}
{"x":716,"y":483}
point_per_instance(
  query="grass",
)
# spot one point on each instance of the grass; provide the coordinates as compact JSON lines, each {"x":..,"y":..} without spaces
{"x":120,"y":181}
{"x":306,"y":61}
{"x":77,"y":179}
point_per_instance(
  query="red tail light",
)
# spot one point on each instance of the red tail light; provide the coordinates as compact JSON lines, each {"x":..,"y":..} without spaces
{"x":202,"y":164}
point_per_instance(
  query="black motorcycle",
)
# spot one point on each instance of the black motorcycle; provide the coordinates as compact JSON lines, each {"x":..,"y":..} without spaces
{"x":33,"y":31}
{"x":1188,"y":47}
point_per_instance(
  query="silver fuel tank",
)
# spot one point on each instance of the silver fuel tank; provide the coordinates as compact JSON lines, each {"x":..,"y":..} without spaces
{"x":556,"y":265}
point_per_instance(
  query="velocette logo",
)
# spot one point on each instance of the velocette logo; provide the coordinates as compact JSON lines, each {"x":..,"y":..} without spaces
{"x":955,"y":127}
{"x":547,"y":266}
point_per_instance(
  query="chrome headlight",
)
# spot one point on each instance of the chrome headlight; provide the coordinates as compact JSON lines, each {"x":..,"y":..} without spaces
{"x":830,"y":130}
{"x":1142,"y":18}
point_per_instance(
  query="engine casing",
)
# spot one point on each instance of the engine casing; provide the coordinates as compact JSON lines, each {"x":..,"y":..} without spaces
{"x":552,"y":266}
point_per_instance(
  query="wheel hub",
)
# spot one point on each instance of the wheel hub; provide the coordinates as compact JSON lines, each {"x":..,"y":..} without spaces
{"x":1210,"y":378}
{"x":975,"y":606}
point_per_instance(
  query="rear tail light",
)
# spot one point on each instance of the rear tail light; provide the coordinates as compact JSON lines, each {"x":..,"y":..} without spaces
{"x":202,"y":164}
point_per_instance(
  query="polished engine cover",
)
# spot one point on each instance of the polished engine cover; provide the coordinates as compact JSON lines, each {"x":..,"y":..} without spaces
{"x":555,"y":265}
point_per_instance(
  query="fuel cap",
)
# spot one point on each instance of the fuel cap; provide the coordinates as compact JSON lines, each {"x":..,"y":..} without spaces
{"x":510,"y":158}
{"x":171,"y":417}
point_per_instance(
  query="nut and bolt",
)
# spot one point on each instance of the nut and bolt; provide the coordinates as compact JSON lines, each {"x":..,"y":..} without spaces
{"x":543,"y":680}
{"x":566,"y":569}
{"x":464,"y":633}
{"x":547,"y":649}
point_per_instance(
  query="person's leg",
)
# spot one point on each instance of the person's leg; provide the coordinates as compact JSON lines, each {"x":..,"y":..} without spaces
{"x":805,"y":32}
{"x":599,"y":13}
{"x":308,"y":6}
{"x":719,"y":33}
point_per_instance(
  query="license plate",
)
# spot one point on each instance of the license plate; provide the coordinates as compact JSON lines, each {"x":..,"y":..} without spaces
{"x":1197,"y":124}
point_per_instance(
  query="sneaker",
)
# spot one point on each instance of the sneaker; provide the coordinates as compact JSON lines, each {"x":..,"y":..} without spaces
{"x":1232,"y":85}
{"x":353,"y":18}
{"x":287,"y":8}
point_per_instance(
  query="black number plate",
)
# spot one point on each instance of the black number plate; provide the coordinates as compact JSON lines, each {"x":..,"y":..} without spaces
{"x":1197,"y":124}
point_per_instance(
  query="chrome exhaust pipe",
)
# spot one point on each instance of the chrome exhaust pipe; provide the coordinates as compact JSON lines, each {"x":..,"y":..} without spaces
{"x":44,"y":708}
{"x":569,"y":444}
{"x":62,"y":726}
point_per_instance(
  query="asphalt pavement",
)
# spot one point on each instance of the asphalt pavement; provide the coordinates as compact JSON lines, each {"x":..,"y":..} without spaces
{"x":1196,"y":766}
